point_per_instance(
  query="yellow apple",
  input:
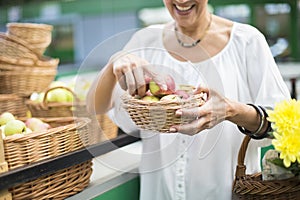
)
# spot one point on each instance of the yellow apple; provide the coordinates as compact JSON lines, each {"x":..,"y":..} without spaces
{"x":150,"y":98}
{"x":14,"y":126}
{"x":6,"y":117}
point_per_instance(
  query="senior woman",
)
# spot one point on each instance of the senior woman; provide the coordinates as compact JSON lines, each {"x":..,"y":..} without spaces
{"x":232,"y":63}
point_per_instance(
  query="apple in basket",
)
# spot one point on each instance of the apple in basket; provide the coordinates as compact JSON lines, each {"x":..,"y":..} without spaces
{"x":36,"y":124}
{"x":150,"y":98}
{"x":159,"y":92}
{"x":13,"y":127}
{"x":6,"y":117}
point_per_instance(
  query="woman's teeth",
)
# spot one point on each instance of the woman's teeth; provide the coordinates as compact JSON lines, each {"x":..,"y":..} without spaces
{"x":180,"y":8}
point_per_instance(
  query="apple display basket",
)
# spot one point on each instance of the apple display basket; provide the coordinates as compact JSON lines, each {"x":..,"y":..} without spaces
{"x":23,"y":149}
{"x":160,"y":115}
{"x":56,"y":109}
{"x":37,"y":35}
{"x":24,"y":81}
{"x":251,"y":186}
{"x":14,"y":104}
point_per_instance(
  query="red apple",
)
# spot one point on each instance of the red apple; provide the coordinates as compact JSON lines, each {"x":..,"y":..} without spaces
{"x":183,"y":94}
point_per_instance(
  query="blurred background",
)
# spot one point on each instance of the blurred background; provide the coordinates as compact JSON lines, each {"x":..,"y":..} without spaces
{"x":80,"y":25}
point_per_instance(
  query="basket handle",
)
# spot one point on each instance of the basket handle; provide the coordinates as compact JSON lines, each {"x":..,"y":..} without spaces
{"x":241,"y":167}
{"x":45,"y":104}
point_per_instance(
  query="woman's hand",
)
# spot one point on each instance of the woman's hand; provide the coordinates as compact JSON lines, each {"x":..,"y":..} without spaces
{"x":212,"y":112}
{"x":133,"y":73}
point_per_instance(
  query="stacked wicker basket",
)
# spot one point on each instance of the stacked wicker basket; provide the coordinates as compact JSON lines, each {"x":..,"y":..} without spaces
{"x":24,"y":70}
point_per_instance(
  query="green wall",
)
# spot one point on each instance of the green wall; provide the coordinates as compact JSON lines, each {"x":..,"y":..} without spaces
{"x":127,"y":191}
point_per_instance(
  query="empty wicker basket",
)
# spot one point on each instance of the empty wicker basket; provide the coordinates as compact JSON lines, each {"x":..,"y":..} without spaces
{"x":251,"y":186}
{"x":25,"y":80}
{"x":38,"y":36}
{"x":159,"y":116}
{"x":58,"y":186}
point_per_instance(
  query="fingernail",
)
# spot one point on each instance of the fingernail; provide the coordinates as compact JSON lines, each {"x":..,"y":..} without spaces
{"x":173,"y":130}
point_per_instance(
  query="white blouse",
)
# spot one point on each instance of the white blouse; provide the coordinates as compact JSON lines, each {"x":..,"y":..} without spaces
{"x":177,"y":166}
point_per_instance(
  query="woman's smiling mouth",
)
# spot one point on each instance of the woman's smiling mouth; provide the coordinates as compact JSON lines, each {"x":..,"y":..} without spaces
{"x":183,"y":9}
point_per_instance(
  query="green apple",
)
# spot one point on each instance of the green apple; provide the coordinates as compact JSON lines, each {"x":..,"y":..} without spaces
{"x":14,"y":126}
{"x":57,"y":95}
{"x":150,"y":98}
{"x":6,"y":117}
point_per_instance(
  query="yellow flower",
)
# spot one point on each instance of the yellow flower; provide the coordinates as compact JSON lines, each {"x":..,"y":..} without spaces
{"x":288,"y":146}
{"x":286,"y":117}
{"x":285,"y":120}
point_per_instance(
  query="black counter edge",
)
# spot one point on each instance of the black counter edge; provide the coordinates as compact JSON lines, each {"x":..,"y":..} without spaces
{"x":49,"y":166}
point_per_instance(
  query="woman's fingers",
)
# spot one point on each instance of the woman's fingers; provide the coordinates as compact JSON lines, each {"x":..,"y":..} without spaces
{"x":139,"y":81}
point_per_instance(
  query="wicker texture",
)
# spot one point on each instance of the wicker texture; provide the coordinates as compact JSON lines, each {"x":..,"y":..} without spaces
{"x":26,"y":81}
{"x":59,"y":185}
{"x":159,"y":116}
{"x":252,"y":186}
{"x":102,"y":128}
{"x":38,"y":36}
{"x":22,"y":149}
{"x":56,"y":109}
{"x":15,"y":51}
{"x":13,"y":104}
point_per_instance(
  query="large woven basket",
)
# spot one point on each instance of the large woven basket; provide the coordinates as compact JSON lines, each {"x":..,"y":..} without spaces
{"x":38,"y":36}
{"x":14,"y":104}
{"x":23,"y":149}
{"x":56,"y":109}
{"x":58,"y":186}
{"x":251,"y":186}
{"x":23,"y":80}
{"x":159,"y":116}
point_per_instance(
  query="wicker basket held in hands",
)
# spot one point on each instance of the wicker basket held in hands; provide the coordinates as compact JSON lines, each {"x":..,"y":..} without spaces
{"x":246,"y":187}
{"x":159,"y":116}
{"x":56,"y":109}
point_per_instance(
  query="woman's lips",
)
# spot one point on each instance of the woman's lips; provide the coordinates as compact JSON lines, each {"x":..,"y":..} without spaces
{"x":183,"y":10}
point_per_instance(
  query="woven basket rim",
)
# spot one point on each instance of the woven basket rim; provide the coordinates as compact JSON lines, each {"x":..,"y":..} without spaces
{"x":4,"y":97}
{"x":39,"y":64}
{"x":29,"y":72}
{"x":78,"y":123}
{"x":30,"y":25}
{"x":128,"y":99}
{"x":16,"y":40}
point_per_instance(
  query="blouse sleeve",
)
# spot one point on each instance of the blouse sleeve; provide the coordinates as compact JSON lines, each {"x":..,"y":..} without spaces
{"x":264,"y":79}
